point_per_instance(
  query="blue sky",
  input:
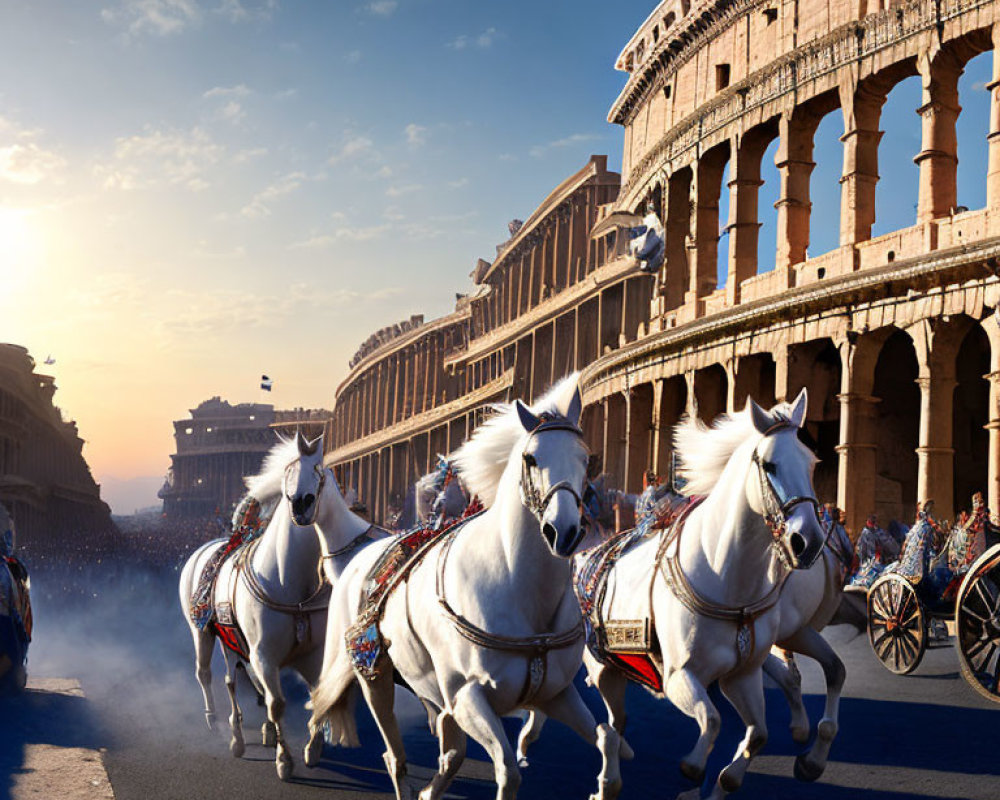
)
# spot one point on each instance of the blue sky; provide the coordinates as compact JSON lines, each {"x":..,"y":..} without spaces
{"x":193,"y":192}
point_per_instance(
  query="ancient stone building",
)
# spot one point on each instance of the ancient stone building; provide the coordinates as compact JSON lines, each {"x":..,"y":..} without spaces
{"x":44,"y":480}
{"x":896,"y":336}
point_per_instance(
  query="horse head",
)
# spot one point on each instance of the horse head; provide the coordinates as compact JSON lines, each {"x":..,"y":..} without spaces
{"x":780,"y":483}
{"x":304,"y":480}
{"x":553,"y":471}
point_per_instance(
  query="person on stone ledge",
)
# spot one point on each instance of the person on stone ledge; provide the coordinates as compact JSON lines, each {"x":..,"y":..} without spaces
{"x":647,"y":241}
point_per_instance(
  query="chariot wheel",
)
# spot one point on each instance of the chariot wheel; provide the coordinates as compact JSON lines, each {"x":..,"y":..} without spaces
{"x":897,"y":624}
{"x":977,"y":622}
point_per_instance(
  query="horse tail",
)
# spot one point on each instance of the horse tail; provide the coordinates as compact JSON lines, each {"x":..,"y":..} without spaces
{"x":334,"y":701}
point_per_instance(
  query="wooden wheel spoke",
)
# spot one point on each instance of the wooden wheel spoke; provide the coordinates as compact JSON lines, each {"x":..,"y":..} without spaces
{"x":912,"y":644}
{"x":977,"y":648}
{"x":969,"y":612}
{"x":914,"y":615}
{"x":988,"y":603}
{"x":882,"y":644}
{"x":984,"y":662}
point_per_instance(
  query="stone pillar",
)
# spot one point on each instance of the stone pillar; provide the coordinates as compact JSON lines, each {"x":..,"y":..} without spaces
{"x":677,"y":227}
{"x":862,"y":107}
{"x":795,"y":165}
{"x":935,"y":454}
{"x":704,"y":246}
{"x":992,"y":327}
{"x":857,"y":450}
{"x":730,"y":365}
{"x":744,"y":188}
{"x":993,"y":168}
{"x":655,"y":423}
{"x":938,"y":156}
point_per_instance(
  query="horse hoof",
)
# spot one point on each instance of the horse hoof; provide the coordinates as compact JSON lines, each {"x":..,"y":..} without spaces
{"x":805,"y":771}
{"x":609,"y":790}
{"x":800,"y":735}
{"x":268,"y":735}
{"x":522,"y":762}
{"x":314,"y":750}
{"x":210,"y":719}
{"x":625,"y":751}
{"x":692,"y":772}
{"x":237,"y":748}
{"x":284,"y":767}
{"x":729,"y":783}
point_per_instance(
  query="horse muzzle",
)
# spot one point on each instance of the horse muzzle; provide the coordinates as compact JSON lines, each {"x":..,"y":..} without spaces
{"x":303,"y":509}
{"x":561,"y":525}
{"x":804,"y":537}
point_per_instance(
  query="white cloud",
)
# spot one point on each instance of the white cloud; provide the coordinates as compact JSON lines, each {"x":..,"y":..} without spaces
{"x":416,"y":135}
{"x":156,"y":158}
{"x":382,"y":8}
{"x":239,"y":90}
{"x":481,"y":41}
{"x":232,"y":112}
{"x":354,"y":147}
{"x":28,"y":163}
{"x":385,"y":171}
{"x":459,"y":183}
{"x":249,"y":154}
{"x":393,"y":214}
{"x":353,"y":57}
{"x":343,"y":234}
{"x":399,"y":191}
{"x":260,"y":205}
{"x":540,"y":150}
{"x":169,"y":17}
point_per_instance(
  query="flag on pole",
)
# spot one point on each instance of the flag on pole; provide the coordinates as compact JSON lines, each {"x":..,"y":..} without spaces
{"x":50,"y":360}
{"x":265,"y":383}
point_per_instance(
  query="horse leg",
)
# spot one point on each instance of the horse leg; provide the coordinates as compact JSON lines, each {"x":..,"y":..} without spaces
{"x":452,"y":741}
{"x":204,"y":642}
{"x":786,"y":674}
{"x":236,"y":743}
{"x":473,"y":712}
{"x":530,"y":732}
{"x":687,"y":693}
{"x":746,"y":692}
{"x":611,"y":684}
{"x":309,"y":668}
{"x":274,"y":700}
{"x":810,"y":765}
{"x":379,"y":694}
{"x":568,"y":708}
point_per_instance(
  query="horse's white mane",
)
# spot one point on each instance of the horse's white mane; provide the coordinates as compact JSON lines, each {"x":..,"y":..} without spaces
{"x":704,"y":451}
{"x":482,"y":460}
{"x":266,"y":484}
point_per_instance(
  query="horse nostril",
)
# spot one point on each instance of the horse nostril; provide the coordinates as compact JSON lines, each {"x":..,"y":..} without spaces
{"x":549,"y":532}
{"x":571,"y":534}
{"x":798,"y":544}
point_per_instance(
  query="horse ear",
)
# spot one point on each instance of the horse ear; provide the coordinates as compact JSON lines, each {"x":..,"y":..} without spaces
{"x":316,"y":445}
{"x":575,"y":407}
{"x":762,"y":421}
{"x":302,"y":443}
{"x":528,"y":420}
{"x":798,"y":415}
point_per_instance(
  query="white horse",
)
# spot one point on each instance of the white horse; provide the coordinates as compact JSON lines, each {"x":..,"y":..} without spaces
{"x":486,"y":622}
{"x":274,"y":591}
{"x":438,"y":496}
{"x":715,"y":598}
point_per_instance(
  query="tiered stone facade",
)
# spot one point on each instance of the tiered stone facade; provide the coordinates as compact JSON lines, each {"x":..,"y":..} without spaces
{"x":44,"y":480}
{"x":896,"y":337}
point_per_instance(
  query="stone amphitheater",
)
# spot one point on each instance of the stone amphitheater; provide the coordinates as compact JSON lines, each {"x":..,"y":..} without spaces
{"x":896,"y":336}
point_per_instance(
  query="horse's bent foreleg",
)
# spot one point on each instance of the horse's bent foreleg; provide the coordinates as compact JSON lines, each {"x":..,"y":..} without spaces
{"x":611,"y":684}
{"x":746,"y":692}
{"x":530,"y":732}
{"x":379,"y":694}
{"x":687,"y":693}
{"x":477,"y":718}
{"x":452,"y":741}
{"x":786,"y":675}
{"x":809,"y":766}
{"x":236,"y":743}
{"x":275,"y":702}
{"x":204,"y":641}
{"x":309,"y":667}
{"x":568,"y":707}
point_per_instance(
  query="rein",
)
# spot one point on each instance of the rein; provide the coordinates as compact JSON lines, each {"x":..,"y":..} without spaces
{"x":355,"y":543}
{"x":317,"y":601}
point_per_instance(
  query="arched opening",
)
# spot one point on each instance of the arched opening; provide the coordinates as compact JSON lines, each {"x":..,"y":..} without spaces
{"x":972,"y":128}
{"x":673,"y":403}
{"x":710,"y":390}
{"x":640,"y":440}
{"x":897,"y":418}
{"x":755,"y":377}
{"x":970,"y":413}
{"x":824,"y":184}
{"x":614,"y":441}
{"x":722,"y":235}
{"x":767,"y":199}
{"x":899,"y":178}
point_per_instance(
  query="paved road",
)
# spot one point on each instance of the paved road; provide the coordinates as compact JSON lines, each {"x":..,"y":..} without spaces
{"x":926,"y":736}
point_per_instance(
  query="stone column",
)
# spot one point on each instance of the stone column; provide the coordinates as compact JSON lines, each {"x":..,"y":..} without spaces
{"x":862,"y":108}
{"x":992,"y":327}
{"x":935,"y":454}
{"x":656,"y":422}
{"x":677,"y":227}
{"x":938,"y":156}
{"x":744,"y":188}
{"x":730,"y":365}
{"x":993,"y":168}
{"x":795,"y":165}
{"x":704,"y":246}
{"x":857,"y":450}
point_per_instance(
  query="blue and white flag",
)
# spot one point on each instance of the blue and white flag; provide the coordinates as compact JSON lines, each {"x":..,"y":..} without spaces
{"x":265,"y":383}
{"x":50,"y":360}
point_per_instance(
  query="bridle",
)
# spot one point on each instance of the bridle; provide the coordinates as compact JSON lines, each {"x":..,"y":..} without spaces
{"x":778,"y":508}
{"x":533,"y":498}
{"x":320,"y":471}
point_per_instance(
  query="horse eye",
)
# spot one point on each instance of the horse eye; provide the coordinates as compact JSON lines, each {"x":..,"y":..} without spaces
{"x":529,"y":460}
{"x":770,"y":467}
